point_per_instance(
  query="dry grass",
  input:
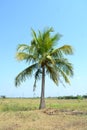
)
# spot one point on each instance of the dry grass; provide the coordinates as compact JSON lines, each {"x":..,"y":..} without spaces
{"x":59,"y":115}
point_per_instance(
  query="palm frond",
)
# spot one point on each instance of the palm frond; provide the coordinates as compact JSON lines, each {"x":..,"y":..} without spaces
{"x":53,"y":73}
{"x":21,"y":77}
{"x":66,"y":49}
{"x":47,"y":32}
{"x":56,"y":53}
{"x":50,"y":40}
{"x":20,"y":56}
{"x":64,"y":76}
{"x":50,"y":60}
{"x":66,"y":66}
{"x":34,"y":35}
{"x":23,"y":47}
{"x":55,"y":38}
{"x":37,"y":77}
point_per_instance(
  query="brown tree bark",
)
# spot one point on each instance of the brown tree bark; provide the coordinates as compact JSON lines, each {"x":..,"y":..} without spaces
{"x":42,"y":98}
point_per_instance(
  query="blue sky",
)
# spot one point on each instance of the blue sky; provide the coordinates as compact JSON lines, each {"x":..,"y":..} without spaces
{"x":17,"y":17}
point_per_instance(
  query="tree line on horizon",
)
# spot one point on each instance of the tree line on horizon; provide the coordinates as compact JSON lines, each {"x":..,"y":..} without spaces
{"x":49,"y":97}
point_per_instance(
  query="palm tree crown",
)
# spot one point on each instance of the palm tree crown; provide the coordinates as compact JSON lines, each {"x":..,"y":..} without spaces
{"x":43,"y":57}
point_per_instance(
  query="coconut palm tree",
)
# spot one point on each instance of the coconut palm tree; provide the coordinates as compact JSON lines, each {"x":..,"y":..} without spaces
{"x":44,"y":58}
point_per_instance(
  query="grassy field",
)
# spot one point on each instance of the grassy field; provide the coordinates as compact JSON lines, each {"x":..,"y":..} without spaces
{"x":23,"y":114}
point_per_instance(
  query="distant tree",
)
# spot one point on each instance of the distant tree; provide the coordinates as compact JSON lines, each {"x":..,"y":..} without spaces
{"x":3,"y":96}
{"x":44,"y":58}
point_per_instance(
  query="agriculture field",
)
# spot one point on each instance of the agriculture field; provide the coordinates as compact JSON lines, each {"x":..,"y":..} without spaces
{"x":23,"y":114}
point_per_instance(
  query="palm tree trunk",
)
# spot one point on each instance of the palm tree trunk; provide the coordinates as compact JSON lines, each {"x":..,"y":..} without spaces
{"x":42,"y":99}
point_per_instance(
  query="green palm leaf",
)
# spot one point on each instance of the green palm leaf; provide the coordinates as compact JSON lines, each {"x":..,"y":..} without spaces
{"x":65,"y":66}
{"x":66,"y":49}
{"x":64,"y":76}
{"x":24,"y":56}
{"x":23,"y":47}
{"x":21,"y":77}
{"x":37,"y":77}
{"x":51,"y":70}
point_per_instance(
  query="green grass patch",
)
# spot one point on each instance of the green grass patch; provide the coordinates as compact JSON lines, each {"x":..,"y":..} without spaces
{"x":33,"y":104}
{"x":17,"y":105}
